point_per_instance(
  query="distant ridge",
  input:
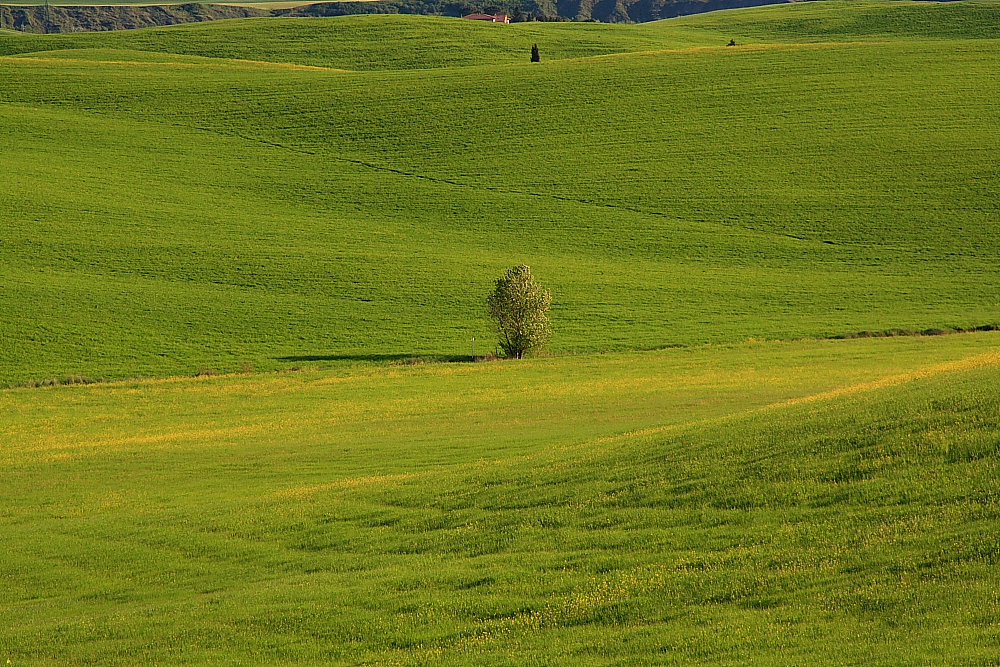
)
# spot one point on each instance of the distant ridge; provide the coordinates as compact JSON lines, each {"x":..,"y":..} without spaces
{"x":84,"y":18}
{"x":54,"y":19}
{"x":605,"y":11}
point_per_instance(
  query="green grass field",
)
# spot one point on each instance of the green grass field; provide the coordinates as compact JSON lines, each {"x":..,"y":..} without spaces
{"x":319,"y":201}
{"x":674,"y":191}
{"x":811,"y":503}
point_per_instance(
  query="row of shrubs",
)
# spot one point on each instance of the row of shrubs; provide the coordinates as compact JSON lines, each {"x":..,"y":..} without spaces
{"x":888,"y":333}
{"x":69,"y":379}
{"x":245,"y":368}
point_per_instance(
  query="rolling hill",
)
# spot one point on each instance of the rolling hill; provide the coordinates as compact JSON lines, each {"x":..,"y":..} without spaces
{"x":305,"y":211}
{"x":235,"y":197}
{"x":815,"y":503}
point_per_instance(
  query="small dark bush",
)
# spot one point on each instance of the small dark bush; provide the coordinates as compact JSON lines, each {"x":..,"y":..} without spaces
{"x":69,"y":379}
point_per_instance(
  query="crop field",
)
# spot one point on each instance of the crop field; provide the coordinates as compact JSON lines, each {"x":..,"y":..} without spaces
{"x":811,"y":503}
{"x":667,"y":189}
{"x":309,"y":213}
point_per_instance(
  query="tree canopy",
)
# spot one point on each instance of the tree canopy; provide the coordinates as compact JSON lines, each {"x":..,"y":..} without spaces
{"x":519,"y":307}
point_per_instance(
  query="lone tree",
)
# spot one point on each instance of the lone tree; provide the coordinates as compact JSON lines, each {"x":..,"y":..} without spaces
{"x":535,"y":55}
{"x":519,"y":306}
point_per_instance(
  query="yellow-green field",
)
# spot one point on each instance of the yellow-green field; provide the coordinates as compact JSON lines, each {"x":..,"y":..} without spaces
{"x":827,"y":502}
{"x":309,"y":213}
{"x":577,"y":399}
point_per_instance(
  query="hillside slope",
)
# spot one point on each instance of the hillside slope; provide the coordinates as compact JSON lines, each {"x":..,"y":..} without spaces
{"x":409,"y":42}
{"x":45,"y":19}
{"x":372,"y":42}
{"x":168,"y":210}
{"x":812,"y":503}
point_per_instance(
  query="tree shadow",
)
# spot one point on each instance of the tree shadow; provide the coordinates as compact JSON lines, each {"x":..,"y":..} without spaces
{"x":383,"y":358}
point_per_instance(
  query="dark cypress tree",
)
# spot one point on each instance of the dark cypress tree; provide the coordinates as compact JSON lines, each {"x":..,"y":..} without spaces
{"x":535,"y":57}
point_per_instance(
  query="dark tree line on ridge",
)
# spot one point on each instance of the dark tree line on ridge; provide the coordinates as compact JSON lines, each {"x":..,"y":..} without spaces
{"x":42,"y":19}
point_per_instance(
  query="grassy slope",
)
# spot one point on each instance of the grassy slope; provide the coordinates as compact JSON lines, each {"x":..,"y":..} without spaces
{"x":828,"y":21}
{"x":404,"y":42}
{"x":807,"y":503}
{"x":810,"y":502}
{"x":385,"y":42}
{"x":666,"y":197}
